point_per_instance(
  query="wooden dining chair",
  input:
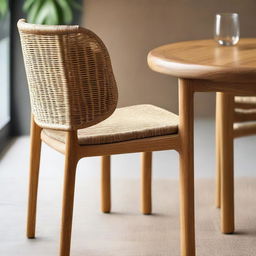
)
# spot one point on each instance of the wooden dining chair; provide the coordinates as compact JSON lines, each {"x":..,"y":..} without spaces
{"x":73,"y":97}
{"x":243,"y":119}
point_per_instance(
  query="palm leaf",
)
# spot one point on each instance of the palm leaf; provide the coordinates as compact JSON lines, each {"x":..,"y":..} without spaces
{"x":66,"y":11}
{"x":75,"y":5}
{"x":27,"y":5}
{"x":50,"y":11}
{"x":33,"y":11}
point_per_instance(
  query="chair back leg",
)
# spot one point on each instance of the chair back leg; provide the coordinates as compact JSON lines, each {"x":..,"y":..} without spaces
{"x":105,"y":184}
{"x":146,"y":180}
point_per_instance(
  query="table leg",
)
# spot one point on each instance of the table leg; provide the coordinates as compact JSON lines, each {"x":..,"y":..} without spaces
{"x":186,"y":131}
{"x":227,"y":162}
{"x":217,"y":150}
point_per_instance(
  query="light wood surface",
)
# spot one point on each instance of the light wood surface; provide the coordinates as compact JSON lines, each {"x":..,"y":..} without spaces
{"x":217,"y":150}
{"x":205,"y":59}
{"x":68,"y":193}
{"x":132,"y":146}
{"x":227,"y":162}
{"x":105,"y":184}
{"x":240,"y":129}
{"x":217,"y":86}
{"x":146,"y":180}
{"x":186,"y":130}
{"x":35,"y":150}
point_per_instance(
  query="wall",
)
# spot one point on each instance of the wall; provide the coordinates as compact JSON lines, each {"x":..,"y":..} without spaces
{"x":130,"y":28}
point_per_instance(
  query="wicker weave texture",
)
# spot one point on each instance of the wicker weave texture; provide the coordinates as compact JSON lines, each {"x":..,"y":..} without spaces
{"x":70,"y":77}
{"x":127,"y":123}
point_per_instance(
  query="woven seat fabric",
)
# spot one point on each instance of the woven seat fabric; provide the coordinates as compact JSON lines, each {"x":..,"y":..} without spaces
{"x":245,"y":100}
{"x":128,"y":123}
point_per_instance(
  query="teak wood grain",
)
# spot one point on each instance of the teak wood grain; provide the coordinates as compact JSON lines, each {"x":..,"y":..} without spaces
{"x":205,"y":59}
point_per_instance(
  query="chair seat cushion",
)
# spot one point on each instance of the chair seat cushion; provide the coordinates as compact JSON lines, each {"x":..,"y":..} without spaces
{"x":127,"y":123}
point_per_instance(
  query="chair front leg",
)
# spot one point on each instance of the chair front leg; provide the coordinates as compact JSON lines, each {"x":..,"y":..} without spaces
{"x":146,"y":181}
{"x":35,"y":151}
{"x":68,"y":193}
{"x":105,"y":184}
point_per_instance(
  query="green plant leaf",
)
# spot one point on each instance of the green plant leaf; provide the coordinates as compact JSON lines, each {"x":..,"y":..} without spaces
{"x":3,"y":7}
{"x":42,"y":15}
{"x":66,"y":11}
{"x":33,"y":12}
{"x":75,"y":5}
{"x":27,"y":5}
{"x":50,"y":13}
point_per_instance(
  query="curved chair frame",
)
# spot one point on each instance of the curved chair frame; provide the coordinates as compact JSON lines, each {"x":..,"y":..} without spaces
{"x":237,"y":121}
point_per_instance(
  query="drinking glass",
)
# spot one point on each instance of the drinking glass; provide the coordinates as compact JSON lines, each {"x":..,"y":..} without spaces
{"x":227,"y":30}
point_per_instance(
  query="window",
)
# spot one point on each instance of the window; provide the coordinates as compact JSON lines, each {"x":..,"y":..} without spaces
{"x":4,"y":77}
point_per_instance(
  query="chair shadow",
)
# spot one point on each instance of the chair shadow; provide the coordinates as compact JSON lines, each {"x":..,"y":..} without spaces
{"x":249,"y":232}
{"x":115,"y":213}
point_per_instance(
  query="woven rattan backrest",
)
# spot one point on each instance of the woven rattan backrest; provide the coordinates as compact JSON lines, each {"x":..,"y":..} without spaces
{"x":70,"y":78}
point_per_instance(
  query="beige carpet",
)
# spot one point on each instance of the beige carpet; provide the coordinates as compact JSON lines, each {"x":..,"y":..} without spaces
{"x":125,"y":232}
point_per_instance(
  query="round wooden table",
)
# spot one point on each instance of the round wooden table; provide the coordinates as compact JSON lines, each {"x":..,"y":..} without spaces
{"x":204,"y":66}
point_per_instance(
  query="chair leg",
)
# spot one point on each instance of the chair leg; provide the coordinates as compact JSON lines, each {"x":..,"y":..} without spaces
{"x":105,"y":184}
{"x":68,"y":194}
{"x":35,"y":150}
{"x":146,"y":180}
{"x":217,"y":149}
{"x":227,"y":162}
{"x":186,"y":131}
